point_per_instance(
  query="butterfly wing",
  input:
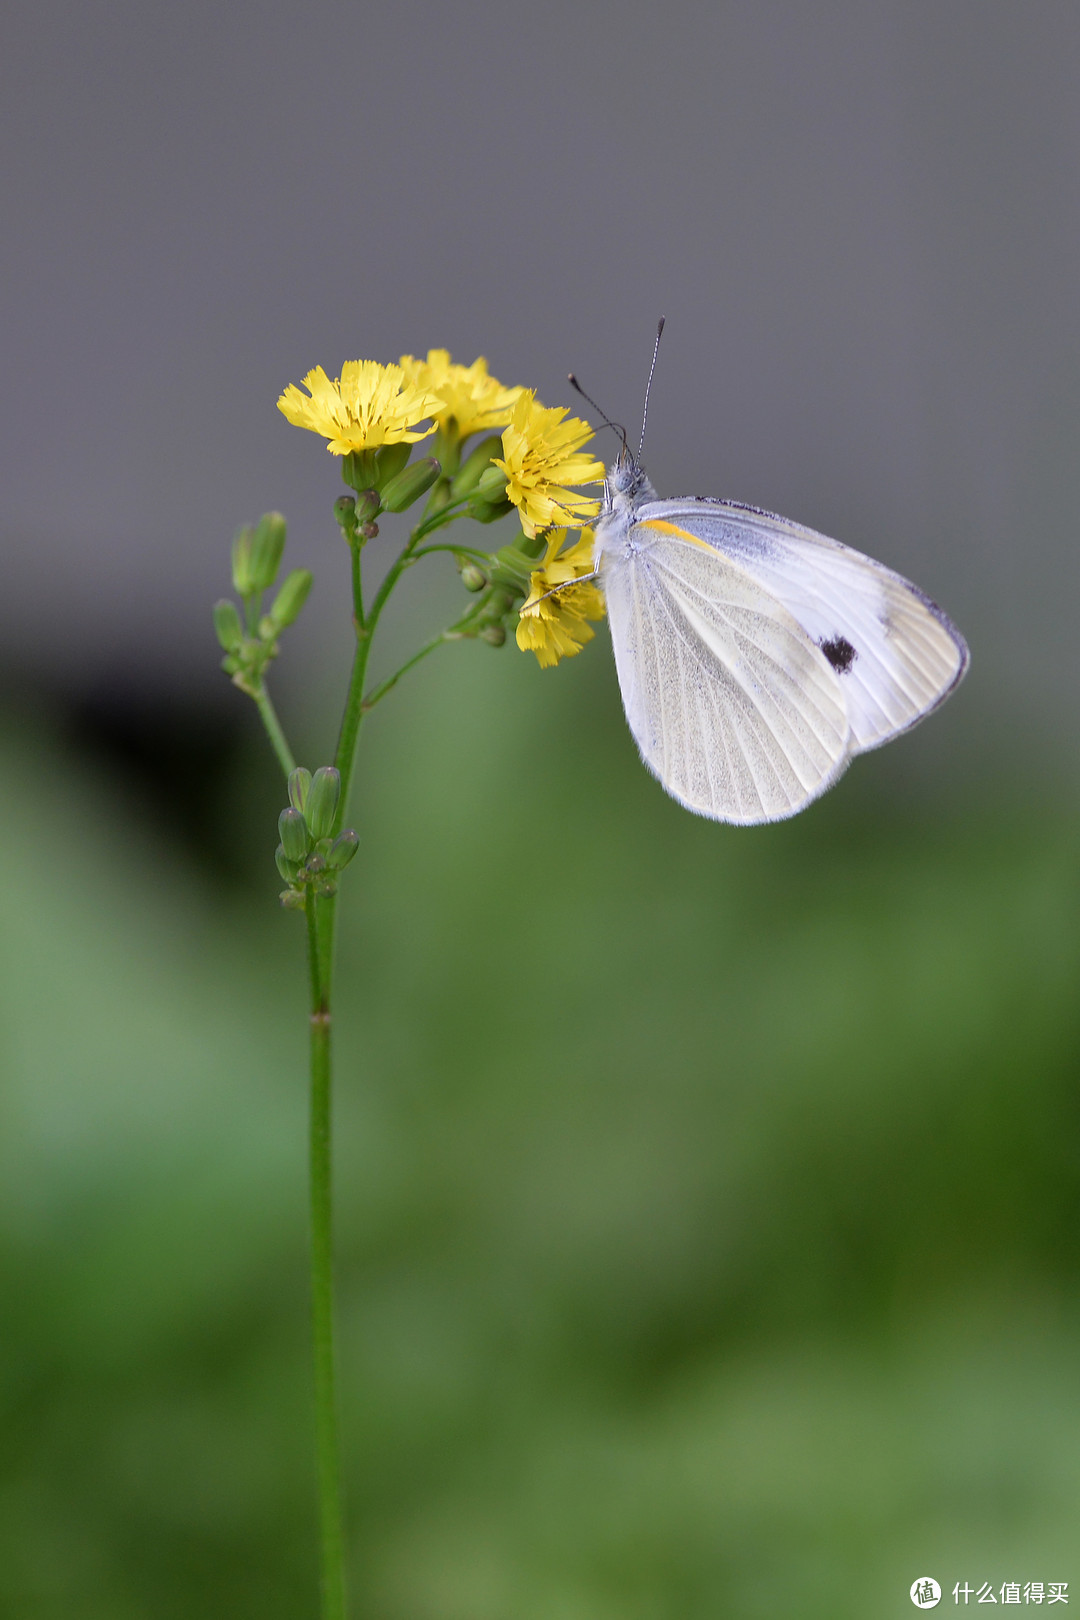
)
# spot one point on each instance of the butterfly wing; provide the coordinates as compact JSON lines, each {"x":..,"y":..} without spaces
{"x":897,"y":654}
{"x":733,"y":706}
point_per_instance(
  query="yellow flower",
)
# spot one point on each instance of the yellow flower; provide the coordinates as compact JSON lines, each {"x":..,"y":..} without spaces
{"x":556,"y":627}
{"x":541,"y":459}
{"x":468,"y":394}
{"x":369,"y":405}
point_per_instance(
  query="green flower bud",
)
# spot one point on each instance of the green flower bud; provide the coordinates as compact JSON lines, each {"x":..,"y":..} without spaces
{"x":475,"y":466}
{"x":288,"y":869}
{"x":326,"y":891}
{"x":410,"y":484}
{"x":473,"y":578}
{"x":227,"y":625}
{"x":267,"y":545}
{"x":292,"y":900}
{"x":242,"y":576}
{"x":291,"y":597}
{"x":368,"y":506}
{"x":299,"y":782}
{"x":495,"y":634}
{"x":491,"y":485}
{"x":322,"y":801}
{"x":390,"y":459}
{"x":315,"y":864}
{"x":343,"y":849}
{"x":292,"y":829}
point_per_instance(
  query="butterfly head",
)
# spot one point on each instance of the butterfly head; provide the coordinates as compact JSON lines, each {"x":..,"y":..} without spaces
{"x":625,"y":484}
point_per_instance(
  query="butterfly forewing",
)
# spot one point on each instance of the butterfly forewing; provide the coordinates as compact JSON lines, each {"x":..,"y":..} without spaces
{"x":738,"y":713}
{"x":897,"y":654}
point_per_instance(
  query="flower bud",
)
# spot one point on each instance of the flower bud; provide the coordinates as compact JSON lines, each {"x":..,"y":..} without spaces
{"x":299,"y":782}
{"x":342,"y":850}
{"x":315,"y":865}
{"x":474,"y":466}
{"x":242,"y":577}
{"x":288,"y":869}
{"x":291,"y":597}
{"x":322,"y":801}
{"x":390,"y":459}
{"x":409,"y":484}
{"x":494,"y":634}
{"x":227,"y":625}
{"x":292,"y":830}
{"x":292,"y":899}
{"x":326,"y":891}
{"x":368,"y":506}
{"x":267,"y":545}
{"x":473,"y":578}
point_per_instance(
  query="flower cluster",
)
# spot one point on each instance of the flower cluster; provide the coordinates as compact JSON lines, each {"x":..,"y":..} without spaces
{"x":539,"y":472}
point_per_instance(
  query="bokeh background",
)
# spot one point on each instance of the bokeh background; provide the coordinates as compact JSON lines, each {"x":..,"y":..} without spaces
{"x":708,"y":1197}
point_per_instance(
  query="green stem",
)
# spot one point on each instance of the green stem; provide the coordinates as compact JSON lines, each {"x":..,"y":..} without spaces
{"x":380,"y":691}
{"x":270,"y":720}
{"x":458,"y":551}
{"x":322,"y":1276}
{"x":351,"y":720}
{"x":357,"y":589}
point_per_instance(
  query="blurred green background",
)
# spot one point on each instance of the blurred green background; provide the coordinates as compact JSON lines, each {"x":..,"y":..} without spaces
{"x":708,"y":1197}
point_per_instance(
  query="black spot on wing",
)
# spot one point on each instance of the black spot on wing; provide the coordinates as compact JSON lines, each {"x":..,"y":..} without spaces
{"x":840,"y":653}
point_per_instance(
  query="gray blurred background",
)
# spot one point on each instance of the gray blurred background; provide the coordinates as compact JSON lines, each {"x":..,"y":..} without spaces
{"x":709,"y":1198}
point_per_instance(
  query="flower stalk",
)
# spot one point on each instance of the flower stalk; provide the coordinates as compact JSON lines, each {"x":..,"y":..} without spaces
{"x":371,"y":416}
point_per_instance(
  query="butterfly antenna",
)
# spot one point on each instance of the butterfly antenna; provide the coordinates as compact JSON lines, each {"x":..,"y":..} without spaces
{"x":616,"y":427}
{"x":648,"y":385}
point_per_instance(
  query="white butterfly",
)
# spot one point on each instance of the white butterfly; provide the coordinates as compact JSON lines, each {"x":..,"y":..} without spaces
{"x":755,"y":657}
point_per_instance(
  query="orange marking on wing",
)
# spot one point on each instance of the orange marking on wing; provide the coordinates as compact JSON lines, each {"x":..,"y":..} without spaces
{"x":681,"y":534}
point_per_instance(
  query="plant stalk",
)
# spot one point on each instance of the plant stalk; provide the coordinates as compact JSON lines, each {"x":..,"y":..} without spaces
{"x":331,"y":1535}
{"x":268,"y":715}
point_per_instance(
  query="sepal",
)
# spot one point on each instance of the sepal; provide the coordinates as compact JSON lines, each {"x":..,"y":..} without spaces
{"x":474,"y":467}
